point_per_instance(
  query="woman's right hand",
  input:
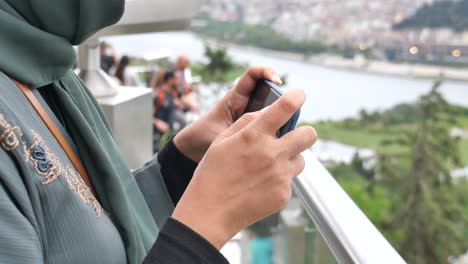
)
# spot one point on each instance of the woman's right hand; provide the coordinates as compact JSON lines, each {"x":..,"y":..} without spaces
{"x":247,"y":172}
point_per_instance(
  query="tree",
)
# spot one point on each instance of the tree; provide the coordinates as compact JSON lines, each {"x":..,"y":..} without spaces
{"x":452,"y":14}
{"x":219,"y":64}
{"x":426,"y":210}
{"x":373,"y":198}
{"x":369,"y":117}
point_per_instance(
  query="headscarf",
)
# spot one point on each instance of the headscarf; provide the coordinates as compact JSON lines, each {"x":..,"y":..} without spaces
{"x":36,"y":48}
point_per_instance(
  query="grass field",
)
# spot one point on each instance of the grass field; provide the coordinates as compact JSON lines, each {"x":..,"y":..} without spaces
{"x":229,"y":76}
{"x":365,"y":137}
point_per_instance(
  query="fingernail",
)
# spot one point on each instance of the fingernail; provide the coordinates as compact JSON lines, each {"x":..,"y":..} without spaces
{"x":277,"y":79}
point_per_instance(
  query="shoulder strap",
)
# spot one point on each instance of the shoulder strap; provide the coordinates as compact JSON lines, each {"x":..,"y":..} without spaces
{"x":57,"y":134}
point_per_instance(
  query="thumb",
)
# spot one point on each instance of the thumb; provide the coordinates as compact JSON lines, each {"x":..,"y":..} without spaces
{"x":242,"y":122}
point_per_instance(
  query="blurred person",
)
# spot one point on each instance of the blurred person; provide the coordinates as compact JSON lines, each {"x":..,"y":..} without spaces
{"x":262,"y":249}
{"x":184,"y":97}
{"x":124,"y":76}
{"x":178,"y":120}
{"x":261,"y":240}
{"x":66,"y":194}
{"x":183,"y":67}
{"x":177,"y":90}
{"x":158,"y":79}
{"x":167,"y":118}
{"x":108,"y":57}
{"x":163,"y":103}
{"x":186,"y":94}
{"x":188,"y":98}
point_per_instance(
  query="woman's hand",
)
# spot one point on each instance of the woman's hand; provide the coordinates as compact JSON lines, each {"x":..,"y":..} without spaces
{"x":247,"y":172}
{"x":195,"y":139}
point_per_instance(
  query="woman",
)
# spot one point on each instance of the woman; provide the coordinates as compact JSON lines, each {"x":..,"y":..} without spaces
{"x":221,"y":174}
{"x":123,"y":75}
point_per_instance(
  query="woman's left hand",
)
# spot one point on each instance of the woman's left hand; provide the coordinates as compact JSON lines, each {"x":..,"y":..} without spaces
{"x":194,"y":140}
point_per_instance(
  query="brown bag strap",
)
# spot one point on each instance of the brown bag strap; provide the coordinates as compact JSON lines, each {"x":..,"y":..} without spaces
{"x":57,"y":134}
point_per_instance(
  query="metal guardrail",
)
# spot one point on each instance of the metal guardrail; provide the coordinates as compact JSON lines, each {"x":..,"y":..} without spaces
{"x":349,"y":234}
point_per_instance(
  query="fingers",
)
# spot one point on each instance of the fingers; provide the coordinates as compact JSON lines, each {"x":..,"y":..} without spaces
{"x":248,"y":81}
{"x":298,"y":140}
{"x":297,"y":165}
{"x":242,"y":122}
{"x":280,"y":112}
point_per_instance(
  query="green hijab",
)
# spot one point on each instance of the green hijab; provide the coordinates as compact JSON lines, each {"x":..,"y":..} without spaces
{"x":36,"y":48}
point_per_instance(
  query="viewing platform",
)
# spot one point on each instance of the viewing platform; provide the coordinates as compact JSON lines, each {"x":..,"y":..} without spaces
{"x":320,"y":205}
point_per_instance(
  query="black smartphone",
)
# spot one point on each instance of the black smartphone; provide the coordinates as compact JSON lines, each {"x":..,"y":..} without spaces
{"x":265,"y":94}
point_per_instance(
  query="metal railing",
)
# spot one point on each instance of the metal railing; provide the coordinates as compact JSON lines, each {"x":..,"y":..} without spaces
{"x":349,"y":234}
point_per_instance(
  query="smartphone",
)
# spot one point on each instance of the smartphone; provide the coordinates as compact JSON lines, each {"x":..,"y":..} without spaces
{"x":265,"y":94}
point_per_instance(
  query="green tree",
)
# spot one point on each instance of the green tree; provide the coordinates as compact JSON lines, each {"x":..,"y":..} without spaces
{"x":369,"y":117}
{"x":374,"y":202}
{"x":372,"y":197}
{"x":219,"y":64}
{"x":453,"y":14}
{"x":220,"y":68}
{"x":426,"y":210}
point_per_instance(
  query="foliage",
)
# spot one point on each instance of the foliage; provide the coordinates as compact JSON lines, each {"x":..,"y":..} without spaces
{"x":464,"y":151}
{"x":369,"y":117}
{"x":376,"y":205}
{"x":219,"y":59}
{"x":400,"y":114}
{"x":426,"y":210}
{"x":407,"y":114}
{"x":373,"y":128}
{"x":220,"y":67}
{"x":375,"y":200}
{"x":452,"y":14}
{"x":409,"y":194}
{"x":460,"y":191}
{"x":257,"y":35}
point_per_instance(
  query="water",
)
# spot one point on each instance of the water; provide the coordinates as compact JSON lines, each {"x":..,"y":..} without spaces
{"x":331,"y":93}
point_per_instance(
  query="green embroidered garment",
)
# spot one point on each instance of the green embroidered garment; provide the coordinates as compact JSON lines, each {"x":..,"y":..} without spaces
{"x":36,"y":48}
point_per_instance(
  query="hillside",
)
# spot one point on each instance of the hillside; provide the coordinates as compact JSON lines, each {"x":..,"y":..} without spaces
{"x":451,"y":14}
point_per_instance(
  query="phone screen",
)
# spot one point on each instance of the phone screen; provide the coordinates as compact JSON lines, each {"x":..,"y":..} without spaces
{"x":262,"y":96}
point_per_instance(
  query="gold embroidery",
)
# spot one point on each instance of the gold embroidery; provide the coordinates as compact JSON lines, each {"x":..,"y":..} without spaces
{"x":8,"y":137}
{"x":77,"y":184}
{"x":25,"y":151}
{"x":48,"y":166}
{"x":45,"y":162}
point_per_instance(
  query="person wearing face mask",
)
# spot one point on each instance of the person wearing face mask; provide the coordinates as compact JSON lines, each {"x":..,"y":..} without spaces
{"x":66,"y":194}
{"x":108,"y":57}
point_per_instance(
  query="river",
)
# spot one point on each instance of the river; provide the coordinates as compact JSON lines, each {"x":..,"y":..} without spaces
{"x":331,"y":93}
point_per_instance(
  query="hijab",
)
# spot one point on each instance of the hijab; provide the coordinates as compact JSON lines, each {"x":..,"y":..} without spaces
{"x":36,"y":48}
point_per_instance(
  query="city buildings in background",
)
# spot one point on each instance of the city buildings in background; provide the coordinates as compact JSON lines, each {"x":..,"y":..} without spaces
{"x":360,"y":24}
